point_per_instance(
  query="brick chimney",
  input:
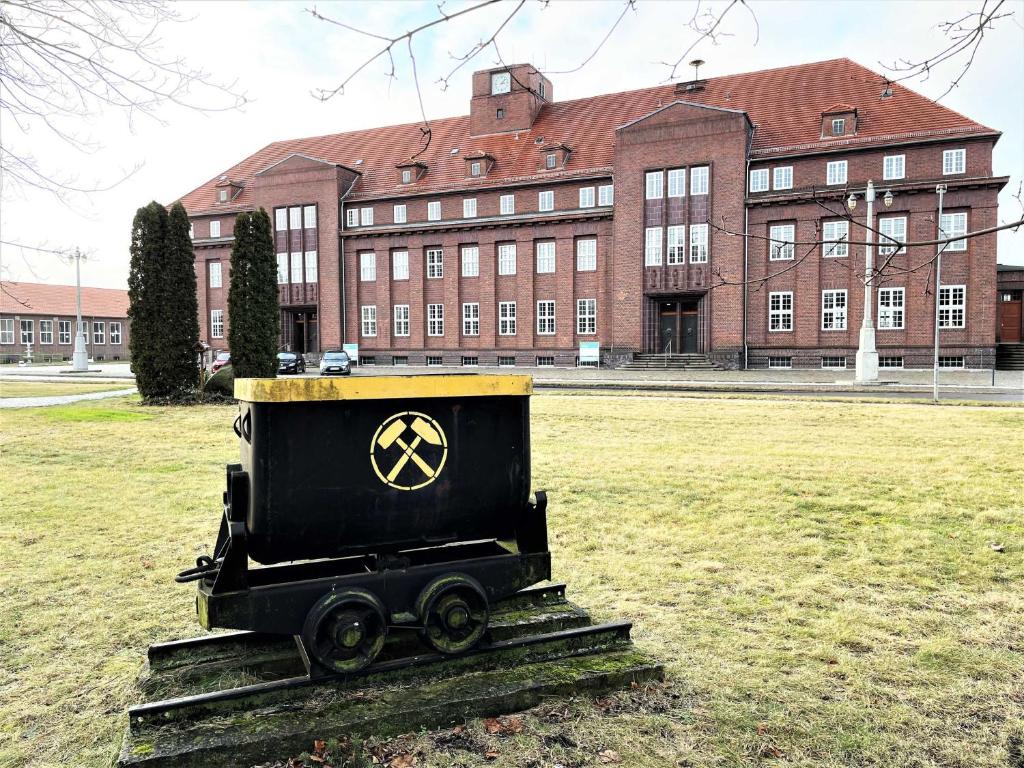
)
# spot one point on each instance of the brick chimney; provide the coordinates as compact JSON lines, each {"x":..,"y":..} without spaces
{"x":507,"y":99}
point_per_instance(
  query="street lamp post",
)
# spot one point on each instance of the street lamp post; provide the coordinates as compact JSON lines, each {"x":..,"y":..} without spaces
{"x":940,"y":190}
{"x":867,"y":354}
{"x":80,"y":358}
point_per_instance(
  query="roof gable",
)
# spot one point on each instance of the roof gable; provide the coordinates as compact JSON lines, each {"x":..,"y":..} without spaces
{"x":40,"y":298}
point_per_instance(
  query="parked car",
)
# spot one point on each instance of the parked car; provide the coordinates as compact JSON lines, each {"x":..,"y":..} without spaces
{"x":335,"y":362}
{"x":290,"y":362}
{"x":222,"y":359}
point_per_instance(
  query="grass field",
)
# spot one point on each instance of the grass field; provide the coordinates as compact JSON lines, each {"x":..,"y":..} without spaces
{"x":57,"y":388}
{"x":820,"y":578}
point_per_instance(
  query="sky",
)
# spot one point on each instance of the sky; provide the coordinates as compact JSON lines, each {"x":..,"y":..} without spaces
{"x":278,"y":53}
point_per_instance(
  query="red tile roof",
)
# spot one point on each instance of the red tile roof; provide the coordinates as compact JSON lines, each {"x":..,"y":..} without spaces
{"x":785,"y":106}
{"x":42,"y":299}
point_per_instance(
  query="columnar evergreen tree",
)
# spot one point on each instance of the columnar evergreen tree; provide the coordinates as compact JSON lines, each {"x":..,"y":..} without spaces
{"x":180,"y":306}
{"x":253,"y":315}
{"x":149,"y":236}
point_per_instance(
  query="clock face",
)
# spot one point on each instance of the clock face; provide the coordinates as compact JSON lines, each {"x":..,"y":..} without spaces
{"x":501,"y":82}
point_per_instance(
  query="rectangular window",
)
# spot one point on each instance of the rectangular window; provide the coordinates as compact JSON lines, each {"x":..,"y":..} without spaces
{"x":586,"y":316}
{"x":368,"y":266}
{"x":27,"y":332}
{"x":84,"y":328}
{"x":836,"y":235}
{"x":835,"y":172}
{"x":545,"y":318}
{"x":506,"y":361}
{"x":606,"y":194}
{"x":782,"y":237}
{"x":115,"y":333}
{"x":506,"y":318}
{"x":282,"y":269}
{"x":699,"y":180}
{"x":367,"y":360}
{"x":586,"y":254}
{"x":698,"y":243}
{"x":400,"y":265}
{"x":677,"y":182}
{"x":98,"y":333}
{"x":406,"y":175}
{"x":435,"y":319}
{"x":676,"y":244}
{"x":215,"y":274}
{"x":435,"y":263}
{"x":366,"y":216}
{"x":46,"y":331}
{"x":434,"y":211}
{"x":474,"y":169}
{"x":550,"y":160}
{"x":893,"y":167}
{"x":399,"y":360}
{"x":507,"y":259}
{"x":281,"y":219}
{"x":545,"y":361}
{"x":470,"y":361}
{"x":222,"y":195}
{"x":834,"y":363}
{"x":434,"y":361}
{"x":545,"y":256}
{"x":215,"y":228}
{"x":890,"y":361}
{"x":893,"y":227}
{"x":368,"y":315}
{"x":401,"y":214}
{"x":890,"y":308}
{"x":951,"y":225}
{"x":296,"y":268}
{"x":470,"y":261}
{"x":352,"y":217}
{"x":952,"y":301}
{"x":780,"y":362}
{"x":782,"y":177}
{"x":469,"y":208}
{"x":311,"y":271}
{"x":471,"y":319}
{"x":217,"y":324}
{"x":655,"y":184}
{"x":780,"y":311}
{"x":401,"y":320}
{"x":652,"y":247}
{"x":586,"y":197}
{"x":191,"y":230}
{"x":309,"y":217}
{"x":951,"y":361}
{"x":833,"y":310}
{"x":954,"y":161}
{"x":546,"y":201}
{"x":63,"y":332}
{"x":508,"y":204}
{"x":759,"y":180}
{"x":838,"y":126}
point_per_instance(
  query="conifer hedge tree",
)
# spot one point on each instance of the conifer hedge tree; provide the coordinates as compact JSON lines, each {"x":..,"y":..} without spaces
{"x":252,"y":298}
{"x":149,"y":234}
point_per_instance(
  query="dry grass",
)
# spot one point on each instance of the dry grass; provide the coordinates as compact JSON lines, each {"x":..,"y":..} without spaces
{"x":817,"y":576}
{"x":56,"y":388}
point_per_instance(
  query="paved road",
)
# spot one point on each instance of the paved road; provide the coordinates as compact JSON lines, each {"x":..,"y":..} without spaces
{"x":38,"y":402}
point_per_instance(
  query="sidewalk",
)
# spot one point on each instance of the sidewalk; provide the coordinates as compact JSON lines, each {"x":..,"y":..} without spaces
{"x":41,"y":402}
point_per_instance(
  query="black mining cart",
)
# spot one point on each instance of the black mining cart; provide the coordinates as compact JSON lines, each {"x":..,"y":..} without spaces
{"x":375,"y":505}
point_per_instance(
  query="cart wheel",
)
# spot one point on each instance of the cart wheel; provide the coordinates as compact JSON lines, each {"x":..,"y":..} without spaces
{"x":454,"y":613}
{"x":345,"y":630}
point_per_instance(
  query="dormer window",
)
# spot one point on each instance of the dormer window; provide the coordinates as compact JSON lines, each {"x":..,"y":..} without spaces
{"x":838,"y":126}
{"x":550,"y":160}
{"x":839,"y":120}
{"x":222,"y":195}
{"x":501,"y":82}
{"x":478,"y":164}
{"x":411,"y":171}
{"x":227,"y":189}
{"x":406,"y":176}
{"x":555,"y":156}
{"x":474,"y":169}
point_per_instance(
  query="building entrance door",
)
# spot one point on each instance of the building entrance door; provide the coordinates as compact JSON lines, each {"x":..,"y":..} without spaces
{"x":300,"y":331}
{"x":689,"y":323}
{"x":1010,"y":306}
{"x":678,"y":327}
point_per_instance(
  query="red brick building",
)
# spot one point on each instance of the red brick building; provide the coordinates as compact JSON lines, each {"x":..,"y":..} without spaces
{"x":531,"y":225}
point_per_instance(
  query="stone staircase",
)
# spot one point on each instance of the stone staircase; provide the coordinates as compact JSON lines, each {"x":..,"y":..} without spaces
{"x":1010,"y":357}
{"x":662,"y":362}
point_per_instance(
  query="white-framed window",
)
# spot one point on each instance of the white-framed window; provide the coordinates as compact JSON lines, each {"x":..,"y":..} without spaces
{"x":471,"y":319}
{"x":779,"y":361}
{"x":7,"y":331}
{"x":366,"y":216}
{"x":435,"y":263}
{"x":951,"y":361}
{"x":506,"y":318}
{"x":215,"y":275}
{"x":894,"y":227}
{"x":550,"y":161}
{"x":835,"y":172}
{"x":434,"y":361}
{"x":698,"y":243}
{"x":406,"y":175}
{"x":401,"y":214}
{"x":545,"y":256}
{"x":401,"y":326}
{"x":951,"y":225}
{"x":833,"y":310}
{"x":368,"y":315}
{"x":838,"y":126}
{"x":400,"y":265}
{"x":586,"y":254}
{"x":222,"y":195}
{"x":501,"y":82}
{"x":309,"y":217}
{"x":63,"y":332}
{"x":835,"y":362}
{"x":434,"y":210}
{"x":677,"y":182}
{"x":474,"y":168}
{"x":217,"y":324}
{"x":84,"y":328}
{"x":836,"y":235}
{"x":781,"y":246}
{"x":780,"y":311}
{"x":952,"y":305}
{"x":311,"y":269}
{"x":368,"y":266}
{"x":676,"y":236}
{"x":782,"y":177}
{"x":759,"y":180}
{"x":894,"y":167}
{"x":652,"y":247}
{"x":191,"y":230}
{"x":281,"y":219}
{"x":351,"y":217}
{"x":654,"y":185}
{"x":28,"y":334}
{"x":545,"y":318}
{"x":699,"y":180}
{"x":99,"y":333}
{"x":46,"y":331}
{"x":606,"y":194}
{"x":469,"y":208}
{"x":586,"y":316}
{"x":115,"y":333}
{"x":435,"y":319}
{"x":470,"y":261}
{"x":507,"y":259}
{"x":954,"y":161}
{"x":890,"y":361}
{"x":890,"y":308}
{"x":215,"y":228}
{"x":586,"y":197}
{"x":507,"y":204}
{"x":296,"y":268}
{"x":282,"y":269}
{"x":546,"y":201}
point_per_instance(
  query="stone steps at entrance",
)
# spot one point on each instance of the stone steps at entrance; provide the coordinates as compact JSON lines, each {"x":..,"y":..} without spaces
{"x":1010,"y":357}
{"x":676,"y":362}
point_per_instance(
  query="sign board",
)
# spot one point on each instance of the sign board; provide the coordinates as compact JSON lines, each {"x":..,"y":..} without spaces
{"x":590,"y":352}
{"x":352,"y":350}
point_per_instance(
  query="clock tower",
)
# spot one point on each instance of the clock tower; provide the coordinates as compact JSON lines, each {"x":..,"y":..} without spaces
{"x":507,"y":99}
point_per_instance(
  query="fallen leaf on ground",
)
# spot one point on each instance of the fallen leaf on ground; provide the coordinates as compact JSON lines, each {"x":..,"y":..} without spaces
{"x":491,"y":725}
{"x":491,"y":754}
{"x":403,"y":760}
{"x":609,"y":756}
{"x":511,"y":725}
